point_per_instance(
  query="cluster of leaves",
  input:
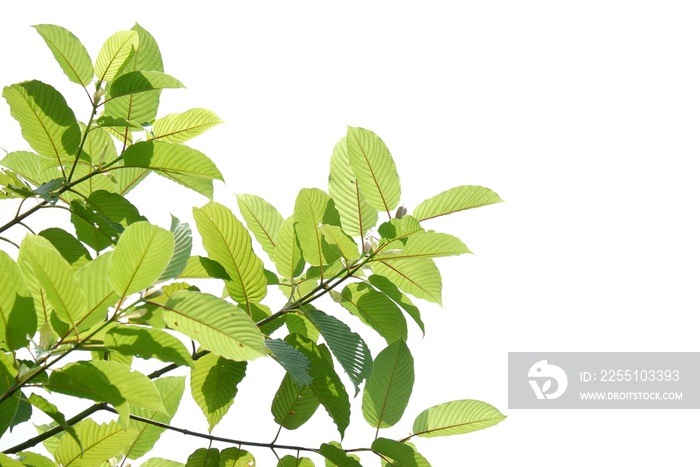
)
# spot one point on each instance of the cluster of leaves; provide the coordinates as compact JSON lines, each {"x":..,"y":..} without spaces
{"x":114,"y":288}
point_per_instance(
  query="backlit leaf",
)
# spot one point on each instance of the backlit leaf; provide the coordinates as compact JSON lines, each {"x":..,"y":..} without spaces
{"x":52,"y":411}
{"x":293,"y":404}
{"x":204,"y":458}
{"x":135,"y":82}
{"x":69,"y":52}
{"x":385,"y":286}
{"x":214,"y":382}
{"x":419,"y":277}
{"x":456,"y":199}
{"x":313,"y":208}
{"x":171,"y":159}
{"x":456,"y":417}
{"x":147,"y":343}
{"x":18,"y":321}
{"x":68,"y":246}
{"x":375,"y":310}
{"x":262,"y":219}
{"x":178,"y":128}
{"x":236,"y":457}
{"x":400,"y":454}
{"x":288,"y":259}
{"x":182,"y":235}
{"x":100,"y":442}
{"x":99,"y":295}
{"x":335,"y":456}
{"x":114,"y":53}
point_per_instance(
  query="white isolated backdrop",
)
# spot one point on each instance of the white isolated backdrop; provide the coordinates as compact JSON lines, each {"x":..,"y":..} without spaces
{"x":583,"y":116}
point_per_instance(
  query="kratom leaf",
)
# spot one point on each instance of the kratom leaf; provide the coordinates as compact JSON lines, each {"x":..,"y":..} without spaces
{"x":387,"y":287}
{"x":147,"y":343}
{"x":228,"y":242}
{"x":416,"y":276}
{"x":99,"y":148}
{"x":142,"y":254}
{"x":291,"y":359}
{"x":348,"y":347}
{"x":424,"y":245}
{"x":401,"y":454}
{"x":356,"y":214}
{"x":335,"y":456}
{"x":262,"y":219}
{"x":6,"y":461}
{"x":219,"y":326}
{"x":293,"y":404}
{"x":55,"y":276}
{"x":178,"y":128}
{"x":299,"y":324}
{"x":456,"y":199}
{"x":135,"y":82}
{"x":171,"y":159}
{"x":214,"y":382}
{"x":48,"y":124}
{"x":375,"y":310}
{"x":201,"y":267}
{"x":18,"y":321}
{"x":389,"y":387}
{"x":114,"y":53}
{"x":235,"y":457}
{"x":100,"y":442}
{"x":160,"y":462}
{"x":9,"y":407}
{"x":326,"y":385}
{"x":313,"y":207}
{"x":288,"y":259}
{"x":171,"y":389}
{"x":68,"y":246}
{"x":24,"y":411}
{"x":204,"y":458}
{"x":99,"y":295}
{"x":183,"y":247}
{"x":69,"y":52}
{"x":291,"y":461}
{"x":399,"y":229}
{"x":341,"y":242}
{"x":32,"y":459}
{"x":52,"y":411}
{"x":372,"y":164}
{"x":456,"y":417}
{"x":26,"y":164}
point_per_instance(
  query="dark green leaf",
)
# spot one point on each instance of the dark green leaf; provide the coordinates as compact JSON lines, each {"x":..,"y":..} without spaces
{"x":135,"y":82}
{"x":214,"y":381}
{"x":400,"y":454}
{"x":335,"y":456}
{"x":293,"y":404}
{"x":147,"y":343}
{"x":376,"y":310}
{"x":291,"y":359}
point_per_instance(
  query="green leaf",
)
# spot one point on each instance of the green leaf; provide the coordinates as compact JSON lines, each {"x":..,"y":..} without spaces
{"x":135,"y":82}
{"x":201,"y":267}
{"x":399,"y":229}
{"x":228,"y":242}
{"x":100,"y":443}
{"x":26,"y":164}
{"x":69,"y":52}
{"x":99,"y":296}
{"x":372,"y":164}
{"x":387,"y":287}
{"x":114,"y":53}
{"x":147,"y":343}
{"x":456,"y":417}
{"x":56,"y":278}
{"x":424,"y":245}
{"x":335,"y":456}
{"x":214,"y":382}
{"x":416,"y":276}
{"x":293,"y":404}
{"x":312,"y":208}
{"x":18,"y":322}
{"x":6,"y":461}
{"x":183,"y":247}
{"x":68,"y":246}
{"x":52,"y":411}
{"x":219,"y":326}
{"x":291,"y":461}
{"x":160,"y":462}
{"x":48,"y":124}
{"x":235,"y":457}
{"x":262,"y":219}
{"x":32,"y":459}
{"x":300,"y":324}
{"x":142,"y":254}
{"x":376,"y":310}
{"x":348,"y":347}
{"x":456,"y":199}
{"x":292,"y":360}
{"x":389,"y":387}
{"x":178,"y":128}
{"x":98,"y":149}
{"x":204,"y":458}
{"x":287,"y":256}
{"x":10,"y":406}
{"x":341,"y":242}
{"x":171,"y":389}
{"x":356,"y":214}
{"x":401,"y":454}
{"x":24,"y":411}
{"x":326,"y":385}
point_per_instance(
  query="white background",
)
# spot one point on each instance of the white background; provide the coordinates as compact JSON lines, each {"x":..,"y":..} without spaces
{"x":583,"y":116}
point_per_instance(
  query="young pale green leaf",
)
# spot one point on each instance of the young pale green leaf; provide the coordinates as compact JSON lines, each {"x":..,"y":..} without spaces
{"x":52,"y":411}
{"x":32,"y":459}
{"x":228,"y":242}
{"x":99,"y":295}
{"x":171,"y":159}
{"x":219,"y":326}
{"x":400,"y":454}
{"x":68,"y":246}
{"x":142,"y":254}
{"x":55,"y":276}
{"x":387,"y":287}
{"x":389,"y":387}
{"x":6,"y":461}
{"x":135,"y":82}
{"x":262,"y":219}
{"x":454,"y":200}
{"x":147,"y":343}
{"x":100,"y":442}
{"x":348,"y":347}
{"x":114,"y":53}
{"x":372,"y":164}
{"x":287,"y":255}
{"x":313,"y":208}
{"x":456,"y":417}
{"x":69,"y":52}
{"x":171,"y":389}
{"x":160,"y":462}
{"x":48,"y":124}
{"x":326,"y":385}
{"x":178,"y":128}
{"x":399,"y":229}
{"x":376,"y":310}
{"x":424,"y":245}
{"x":201,"y":267}
{"x":419,"y":277}
{"x":342,"y":243}
{"x":356,"y":214}
{"x":18,"y":321}
{"x":203,"y":457}
{"x":293,"y":404}
{"x":236,"y":457}
{"x":335,"y":456}
{"x":291,"y":359}
{"x":214,"y":382}
{"x":292,"y":461}
{"x":183,"y":247}
{"x":26,"y":164}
